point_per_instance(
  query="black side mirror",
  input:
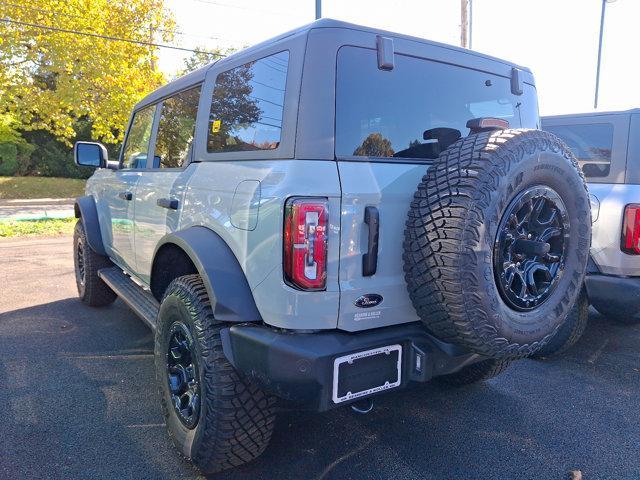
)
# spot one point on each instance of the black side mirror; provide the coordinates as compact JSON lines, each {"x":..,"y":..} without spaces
{"x":90,"y":154}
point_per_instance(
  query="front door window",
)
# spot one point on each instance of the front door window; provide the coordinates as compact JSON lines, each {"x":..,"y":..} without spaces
{"x":136,"y":146}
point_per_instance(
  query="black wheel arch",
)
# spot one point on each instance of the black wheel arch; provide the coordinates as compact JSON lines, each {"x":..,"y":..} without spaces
{"x":200,"y":250}
{"x":85,"y":209}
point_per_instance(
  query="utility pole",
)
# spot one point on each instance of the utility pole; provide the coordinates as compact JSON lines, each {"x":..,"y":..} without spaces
{"x":318,"y":9}
{"x":470,"y":24}
{"x":604,"y":6}
{"x":464,"y":23}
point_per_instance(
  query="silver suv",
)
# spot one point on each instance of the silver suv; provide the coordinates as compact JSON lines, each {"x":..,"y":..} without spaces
{"x":329,"y":215}
{"x":607,"y":146}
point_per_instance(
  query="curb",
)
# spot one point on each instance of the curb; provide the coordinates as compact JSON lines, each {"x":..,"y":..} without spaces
{"x":34,"y":202}
{"x":34,"y":218}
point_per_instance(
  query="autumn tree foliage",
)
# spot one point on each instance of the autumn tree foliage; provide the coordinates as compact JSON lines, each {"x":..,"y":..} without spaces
{"x":51,"y":79}
{"x":375,"y":145}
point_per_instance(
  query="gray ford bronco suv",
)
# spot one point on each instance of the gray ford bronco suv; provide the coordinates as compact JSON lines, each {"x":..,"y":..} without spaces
{"x":327,"y":216}
{"x":607,"y":146}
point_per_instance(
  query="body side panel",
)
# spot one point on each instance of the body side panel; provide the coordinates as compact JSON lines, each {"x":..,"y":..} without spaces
{"x":607,"y":229}
{"x":209,"y":202}
{"x":115,"y":214}
{"x":153,"y":222}
{"x":224,"y":279}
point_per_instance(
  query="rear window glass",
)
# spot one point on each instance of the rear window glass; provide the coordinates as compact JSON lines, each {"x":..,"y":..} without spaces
{"x":590,"y":143}
{"x":247,"y":106}
{"x":420,"y":107}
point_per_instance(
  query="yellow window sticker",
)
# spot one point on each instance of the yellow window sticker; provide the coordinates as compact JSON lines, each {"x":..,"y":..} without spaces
{"x":215,"y":126}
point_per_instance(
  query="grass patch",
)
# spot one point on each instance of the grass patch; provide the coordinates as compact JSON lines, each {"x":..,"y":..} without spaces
{"x":21,"y":188}
{"x":37,"y":228}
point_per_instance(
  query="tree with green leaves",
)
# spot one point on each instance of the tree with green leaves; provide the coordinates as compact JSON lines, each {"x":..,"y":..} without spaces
{"x":52,"y":74}
{"x":201,"y":57}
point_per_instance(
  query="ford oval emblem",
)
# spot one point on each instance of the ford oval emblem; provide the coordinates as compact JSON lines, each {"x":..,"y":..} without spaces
{"x":369,"y":300}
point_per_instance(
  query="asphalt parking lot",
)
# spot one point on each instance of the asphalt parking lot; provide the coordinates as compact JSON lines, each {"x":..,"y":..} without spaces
{"x":79,"y":402}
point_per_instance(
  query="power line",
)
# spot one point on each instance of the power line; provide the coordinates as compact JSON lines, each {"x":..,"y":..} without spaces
{"x":265,"y":100}
{"x":107,"y":37}
{"x":266,"y":85}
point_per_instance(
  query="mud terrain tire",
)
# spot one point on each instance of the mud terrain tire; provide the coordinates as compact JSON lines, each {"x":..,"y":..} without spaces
{"x":232,"y":420}
{"x":91,"y":289}
{"x":466,"y":256}
{"x":570,"y":331}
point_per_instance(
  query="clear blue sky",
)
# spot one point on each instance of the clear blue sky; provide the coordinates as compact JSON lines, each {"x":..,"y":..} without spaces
{"x":557,"y":39}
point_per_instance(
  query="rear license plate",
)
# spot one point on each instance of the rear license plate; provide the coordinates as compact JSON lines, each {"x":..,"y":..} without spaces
{"x":363,"y":373}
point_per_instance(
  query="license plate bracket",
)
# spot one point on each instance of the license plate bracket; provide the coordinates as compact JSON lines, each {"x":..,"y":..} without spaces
{"x":363,"y":373}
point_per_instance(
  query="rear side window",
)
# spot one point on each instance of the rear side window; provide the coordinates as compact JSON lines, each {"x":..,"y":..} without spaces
{"x":176,"y":129}
{"x":420,"y":107}
{"x":247,"y":106}
{"x":590,"y":143}
{"x":136,"y":147}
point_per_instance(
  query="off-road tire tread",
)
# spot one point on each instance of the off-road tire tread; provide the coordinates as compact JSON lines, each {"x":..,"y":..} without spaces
{"x":239,"y":415}
{"x":576,"y":324}
{"x":477,"y":372}
{"x":96,"y":292}
{"x":442,"y":231}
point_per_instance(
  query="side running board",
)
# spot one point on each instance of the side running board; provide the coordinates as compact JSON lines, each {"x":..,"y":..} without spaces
{"x":138,"y":299}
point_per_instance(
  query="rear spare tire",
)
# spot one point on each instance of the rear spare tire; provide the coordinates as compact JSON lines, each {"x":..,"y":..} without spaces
{"x":497,"y":240}
{"x":571,"y":330}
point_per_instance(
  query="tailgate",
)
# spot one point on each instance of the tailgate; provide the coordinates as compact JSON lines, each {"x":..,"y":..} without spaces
{"x":388,"y":187}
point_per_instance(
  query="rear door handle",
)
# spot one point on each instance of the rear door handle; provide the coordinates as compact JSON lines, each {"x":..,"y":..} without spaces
{"x":170,"y":203}
{"x":125,"y":195}
{"x":370,"y":259}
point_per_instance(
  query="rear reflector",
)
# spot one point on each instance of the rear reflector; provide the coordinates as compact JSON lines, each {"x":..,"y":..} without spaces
{"x":305,"y":243}
{"x":631,"y":230}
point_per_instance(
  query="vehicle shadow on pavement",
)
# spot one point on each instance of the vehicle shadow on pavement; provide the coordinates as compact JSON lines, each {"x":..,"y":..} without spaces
{"x":540,"y":419}
{"x":79,"y":401}
{"x":79,"y":396}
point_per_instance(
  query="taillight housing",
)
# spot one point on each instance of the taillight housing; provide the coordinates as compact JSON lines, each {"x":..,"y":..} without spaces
{"x":306,"y":222}
{"x":630,"y":242}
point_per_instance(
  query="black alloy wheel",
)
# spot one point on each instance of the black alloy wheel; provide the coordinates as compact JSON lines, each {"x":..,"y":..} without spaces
{"x":183,"y":374}
{"x":530,"y":248}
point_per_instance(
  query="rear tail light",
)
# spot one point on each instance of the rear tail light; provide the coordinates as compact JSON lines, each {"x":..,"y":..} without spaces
{"x":631,"y":230}
{"x":305,"y":243}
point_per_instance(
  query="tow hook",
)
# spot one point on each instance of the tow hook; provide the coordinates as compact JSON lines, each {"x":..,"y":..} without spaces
{"x":363,"y":406}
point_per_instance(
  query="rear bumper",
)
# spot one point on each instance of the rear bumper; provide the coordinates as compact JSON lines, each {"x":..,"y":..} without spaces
{"x":608,"y":292}
{"x":299,"y":366}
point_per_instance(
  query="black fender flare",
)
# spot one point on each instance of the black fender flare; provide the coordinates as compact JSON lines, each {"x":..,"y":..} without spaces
{"x":227,"y":286}
{"x":85,"y":209}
